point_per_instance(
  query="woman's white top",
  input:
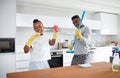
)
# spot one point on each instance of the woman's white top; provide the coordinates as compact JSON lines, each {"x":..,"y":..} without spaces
{"x":40,"y":50}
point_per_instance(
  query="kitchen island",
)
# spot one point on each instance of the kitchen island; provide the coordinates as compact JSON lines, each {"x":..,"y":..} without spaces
{"x":98,"y":70}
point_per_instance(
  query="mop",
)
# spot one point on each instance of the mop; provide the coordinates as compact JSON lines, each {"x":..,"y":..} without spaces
{"x":72,"y":51}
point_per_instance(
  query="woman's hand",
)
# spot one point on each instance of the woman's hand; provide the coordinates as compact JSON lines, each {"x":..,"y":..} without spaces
{"x":26,"y":49}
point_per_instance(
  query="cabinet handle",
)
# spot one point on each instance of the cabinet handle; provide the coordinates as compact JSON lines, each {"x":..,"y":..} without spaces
{"x":91,"y":52}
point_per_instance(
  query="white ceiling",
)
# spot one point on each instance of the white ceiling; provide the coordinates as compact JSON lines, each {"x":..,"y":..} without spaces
{"x":76,"y":4}
{"x":114,"y":3}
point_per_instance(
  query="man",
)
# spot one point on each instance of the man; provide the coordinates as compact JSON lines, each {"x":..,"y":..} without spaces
{"x":81,"y":43}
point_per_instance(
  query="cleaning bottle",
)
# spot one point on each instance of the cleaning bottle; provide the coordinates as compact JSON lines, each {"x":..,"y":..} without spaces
{"x":116,"y":63}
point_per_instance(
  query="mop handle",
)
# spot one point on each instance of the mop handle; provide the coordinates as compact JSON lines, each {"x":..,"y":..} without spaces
{"x":83,"y":14}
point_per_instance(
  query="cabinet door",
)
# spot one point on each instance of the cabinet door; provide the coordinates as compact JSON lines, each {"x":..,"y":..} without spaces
{"x":22,"y":57}
{"x":7,"y":19}
{"x":22,"y":64}
{"x":102,"y":54}
{"x":92,"y":24}
{"x":109,"y":23}
{"x":67,"y":58}
{"x":24,"y":69}
{"x":26,"y":20}
{"x":7,"y":64}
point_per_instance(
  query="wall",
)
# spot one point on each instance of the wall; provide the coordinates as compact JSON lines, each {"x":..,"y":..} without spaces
{"x":23,"y":33}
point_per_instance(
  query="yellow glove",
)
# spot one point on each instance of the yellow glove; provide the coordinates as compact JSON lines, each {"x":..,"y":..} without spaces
{"x":29,"y":42}
{"x":70,"y":46}
{"x":78,"y":34}
{"x":54,"y":34}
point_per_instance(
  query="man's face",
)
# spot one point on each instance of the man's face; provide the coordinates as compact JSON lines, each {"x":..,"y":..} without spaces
{"x":76,"y":22}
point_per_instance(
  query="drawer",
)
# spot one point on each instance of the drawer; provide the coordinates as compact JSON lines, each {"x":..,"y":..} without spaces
{"x":67,"y":64}
{"x":67,"y":59}
{"x":22,"y":57}
{"x":24,"y":69}
{"x":22,"y":64}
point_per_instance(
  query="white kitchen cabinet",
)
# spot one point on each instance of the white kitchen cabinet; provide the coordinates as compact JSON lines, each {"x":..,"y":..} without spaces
{"x":100,"y":54}
{"x":92,"y":24}
{"x":23,"y":69}
{"x":67,"y":58}
{"x":109,"y":23}
{"x":26,"y":20}
{"x":22,"y":62}
{"x":7,"y":64}
{"x":22,"y":56}
{"x":7,"y":18}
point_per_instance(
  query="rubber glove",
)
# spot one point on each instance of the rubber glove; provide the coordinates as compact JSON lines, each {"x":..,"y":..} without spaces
{"x":55,"y":30}
{"x":78,"y":34}
{"x":29,"y":42}
{"x":70,"y":46}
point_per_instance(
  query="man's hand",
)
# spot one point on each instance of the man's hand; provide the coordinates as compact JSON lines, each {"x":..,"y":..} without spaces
{"x":78,"y":34}
{"x":70,"y":46}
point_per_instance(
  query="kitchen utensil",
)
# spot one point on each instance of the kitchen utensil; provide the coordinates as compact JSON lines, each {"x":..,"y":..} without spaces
{"x":65,"y":44}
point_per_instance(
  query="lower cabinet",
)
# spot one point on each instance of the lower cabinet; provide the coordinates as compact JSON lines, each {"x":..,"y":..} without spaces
{"x":22,"y":62}
{"x":67,"y":58}
{"x":100,"y":54}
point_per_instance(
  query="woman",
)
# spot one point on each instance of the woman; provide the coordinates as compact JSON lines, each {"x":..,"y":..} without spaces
{"x":38,"y":46}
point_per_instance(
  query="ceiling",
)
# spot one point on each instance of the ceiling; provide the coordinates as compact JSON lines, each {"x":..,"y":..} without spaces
{"x":76,"y":4}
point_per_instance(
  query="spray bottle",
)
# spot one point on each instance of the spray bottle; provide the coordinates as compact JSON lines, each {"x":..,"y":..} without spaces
{"x":116,"y":61}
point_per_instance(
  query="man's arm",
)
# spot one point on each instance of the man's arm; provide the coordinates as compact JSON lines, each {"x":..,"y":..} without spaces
{"x":85,"y":36}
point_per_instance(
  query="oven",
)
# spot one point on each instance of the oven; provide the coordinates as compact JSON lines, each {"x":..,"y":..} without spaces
{"x":7,"y":45}
{"x":56,"y":60}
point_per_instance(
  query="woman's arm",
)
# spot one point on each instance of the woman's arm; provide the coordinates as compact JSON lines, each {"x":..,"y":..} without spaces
{"x":29,"y":42}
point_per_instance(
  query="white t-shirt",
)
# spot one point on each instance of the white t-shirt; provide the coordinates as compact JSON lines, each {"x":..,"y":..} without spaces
{"x":40,"y":50}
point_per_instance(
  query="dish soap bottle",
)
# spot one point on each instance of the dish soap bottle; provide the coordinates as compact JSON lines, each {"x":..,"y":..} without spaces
{"x":116,"y":63}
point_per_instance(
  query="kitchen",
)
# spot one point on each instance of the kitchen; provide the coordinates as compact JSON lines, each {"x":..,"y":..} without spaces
{"x":15,"y":13}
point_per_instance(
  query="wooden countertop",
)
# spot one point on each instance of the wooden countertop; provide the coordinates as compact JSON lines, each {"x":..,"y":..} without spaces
{"x":98,"y":70}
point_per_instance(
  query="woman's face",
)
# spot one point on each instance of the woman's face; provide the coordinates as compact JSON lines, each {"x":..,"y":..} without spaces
{"x":76,"y":22}
{"x":38,"y":27}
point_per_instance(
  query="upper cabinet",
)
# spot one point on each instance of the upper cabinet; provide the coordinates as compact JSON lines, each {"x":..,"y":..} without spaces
{"x":109,"y":23}
{"x":26,"y":20}
{"x":92,"y":24}
{"x":7,"y":18}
